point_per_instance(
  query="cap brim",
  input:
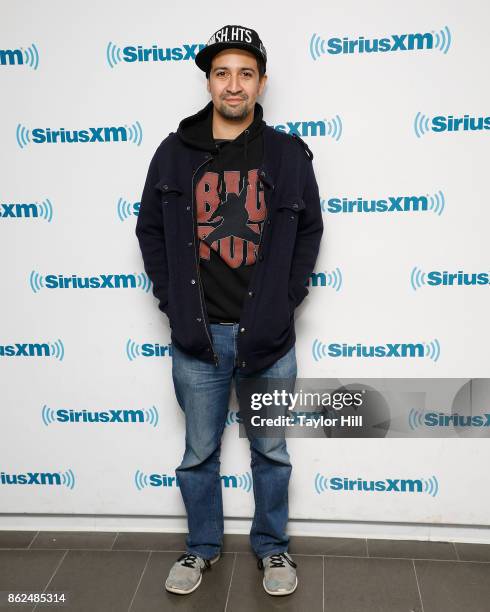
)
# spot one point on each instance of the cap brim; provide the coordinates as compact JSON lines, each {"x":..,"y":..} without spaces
{"x":204,"y":57}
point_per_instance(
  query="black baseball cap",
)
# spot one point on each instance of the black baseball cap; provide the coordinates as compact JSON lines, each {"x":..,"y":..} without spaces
{"x":228,"y":37}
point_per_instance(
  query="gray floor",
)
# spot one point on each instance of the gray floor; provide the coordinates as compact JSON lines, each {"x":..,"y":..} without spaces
{"x":119,"y":572}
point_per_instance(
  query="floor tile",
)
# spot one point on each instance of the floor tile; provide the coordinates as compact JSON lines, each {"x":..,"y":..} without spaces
{"x":307,"y":545}
{"x":454,"y":587}
{"x":473,"y":552}
{"x":370,"y":585}
{"x":98,"y":580}
{"x":234,"y":542}
{"x":150,"y":541}
{"x":26,"y":570}
{"x":16,"y":539}
{"x":74,"y":539}
{"x":411,"y":549}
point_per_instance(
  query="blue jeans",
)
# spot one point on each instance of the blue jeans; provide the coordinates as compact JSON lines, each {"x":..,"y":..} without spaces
{"x":203,"y":392}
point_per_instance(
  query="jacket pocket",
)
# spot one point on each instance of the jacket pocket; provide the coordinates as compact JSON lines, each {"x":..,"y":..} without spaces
{"x":167,"y":186}
{"x":171,"y":195}
{"x":170,"y":192}
{"x":290,"y":210}
{"x":288,"y":213}
{"x":292,"y":204}
{"x":171,"y":198}
{"x":286,"y":219}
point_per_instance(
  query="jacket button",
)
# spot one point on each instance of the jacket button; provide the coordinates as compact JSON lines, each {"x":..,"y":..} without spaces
{"x":244,"y":363}
{"x":242,"y":329}
{"x":295,"y":205}
{"x":187,"y":207}
{"x":251,"y":293}
{"x":193,"y":281}
{"x":189,"y":244}
{"x":198,"y":319}
{"x":261,"y":257}
{"x":165,"y":187}
{"x":293,"y":217}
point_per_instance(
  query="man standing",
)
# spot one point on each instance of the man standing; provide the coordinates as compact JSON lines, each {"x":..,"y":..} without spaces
{"x":229,"y":228}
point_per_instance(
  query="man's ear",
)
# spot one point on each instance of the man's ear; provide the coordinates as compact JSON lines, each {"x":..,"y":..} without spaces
{"x":262,"y":84}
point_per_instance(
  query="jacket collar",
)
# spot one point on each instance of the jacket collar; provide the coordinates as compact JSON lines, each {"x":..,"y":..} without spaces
{"x":270,"y":166}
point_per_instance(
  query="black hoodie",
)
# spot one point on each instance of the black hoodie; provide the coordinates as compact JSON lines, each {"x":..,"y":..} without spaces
{"x":229,"y":210}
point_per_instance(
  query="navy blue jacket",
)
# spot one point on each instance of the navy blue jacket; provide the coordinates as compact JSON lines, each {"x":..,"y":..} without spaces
{"x":166,"y":231}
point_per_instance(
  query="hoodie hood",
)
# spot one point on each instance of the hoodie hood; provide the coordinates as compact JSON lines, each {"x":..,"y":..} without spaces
{"x":197,"y":130}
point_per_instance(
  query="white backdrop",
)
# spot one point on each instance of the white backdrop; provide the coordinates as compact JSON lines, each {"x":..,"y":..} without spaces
{"x":64,"y":65}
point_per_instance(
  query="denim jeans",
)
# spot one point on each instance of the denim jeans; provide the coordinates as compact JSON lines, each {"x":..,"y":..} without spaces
{"x":203,"y":392}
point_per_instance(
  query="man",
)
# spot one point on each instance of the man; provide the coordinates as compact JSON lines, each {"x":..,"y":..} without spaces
{"x":229,"y":228}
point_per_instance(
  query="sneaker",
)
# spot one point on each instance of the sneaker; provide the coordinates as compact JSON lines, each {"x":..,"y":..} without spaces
{"x":186,"y":573}
{"x":279,"y":574}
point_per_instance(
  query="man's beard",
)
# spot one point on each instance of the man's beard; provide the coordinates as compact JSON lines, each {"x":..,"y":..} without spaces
{"x":233,"y":113}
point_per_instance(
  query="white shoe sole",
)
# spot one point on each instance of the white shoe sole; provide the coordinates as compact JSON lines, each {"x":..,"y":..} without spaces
{"x":181,"y":591}
{"x":281,"y":592}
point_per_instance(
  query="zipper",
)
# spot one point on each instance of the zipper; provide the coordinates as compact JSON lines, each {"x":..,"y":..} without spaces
{"x":194,"y":232}
{"x":252,"y":280}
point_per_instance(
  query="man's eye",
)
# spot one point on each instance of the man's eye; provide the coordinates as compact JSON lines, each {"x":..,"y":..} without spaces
{"x":247,"y":74}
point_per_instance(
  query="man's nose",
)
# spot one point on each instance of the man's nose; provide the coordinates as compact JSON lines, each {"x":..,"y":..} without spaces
{"x":234,"y":84}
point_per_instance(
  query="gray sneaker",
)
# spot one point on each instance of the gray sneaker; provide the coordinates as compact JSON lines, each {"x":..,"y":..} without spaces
{"x":186,"y":573}
{"x":279,"y":574}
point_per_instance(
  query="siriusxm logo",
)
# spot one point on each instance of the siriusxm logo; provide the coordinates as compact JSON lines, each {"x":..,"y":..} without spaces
{"x":63,"y":415}
{"x":390,"y":204}
{"x":58,"y":479}
{"x":131,"y":53}
{"x":416,"y":41}
{"x":386,"y":485}
{"x":447,"y":123}
{"x":403,"y":350}
{"x":323,"y":127}
{"x":326,"y":279}
{"x":20,"y":57}
{"x":38,"y":349}
{"x":125,"y":209}
{"x":122,"y":133}
{"x":231,"y":418}
{"x":135,"y":350}
{"x":33,"y":210}
{"x":435,"y":278}
{"x":101,"y":281}
{"x":229,"y":481}
{"x":439,"y":419}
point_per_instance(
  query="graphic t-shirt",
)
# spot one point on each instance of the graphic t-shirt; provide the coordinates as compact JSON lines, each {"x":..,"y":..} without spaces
{"x":230,"y":212}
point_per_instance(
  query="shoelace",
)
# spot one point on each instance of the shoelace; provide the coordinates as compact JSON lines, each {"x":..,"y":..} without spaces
{"x":277,"y":560}
{"x":189,"y":560}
